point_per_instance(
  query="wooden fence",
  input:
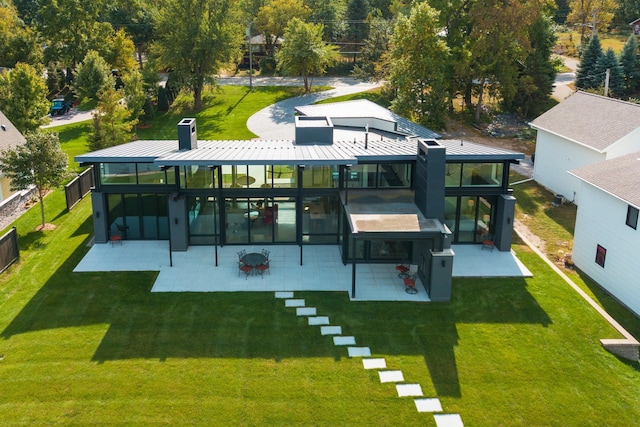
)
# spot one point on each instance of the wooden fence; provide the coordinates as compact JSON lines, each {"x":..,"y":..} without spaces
{"x":79,"y":187}
{"x":9,"y":251}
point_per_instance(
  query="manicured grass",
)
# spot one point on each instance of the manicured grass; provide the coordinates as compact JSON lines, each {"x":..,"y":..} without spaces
{"x":373,"y":95}
{"x":99,"y":348}
{"x":96,"y":348}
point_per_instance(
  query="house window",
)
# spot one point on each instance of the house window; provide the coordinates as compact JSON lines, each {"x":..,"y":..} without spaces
{"x":632,"y":217}
{"x":601,"y":254}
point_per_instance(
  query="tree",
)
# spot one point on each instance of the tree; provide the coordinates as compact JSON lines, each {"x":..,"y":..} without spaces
{"x":587,"y":75}
{"x":330,"y":14}
{"x":630,"y":64}
{"x":134,"y":95}
{"x":118,"y":51}
{"x":23,"y":97}
{"x":609,"y":61}
{"x":358,"y":29}
{"x":272,"y":19}
{"x":136,"y":18}
{"x":303,"y":51}
{"x":499,"y":45}
{"x":594,"y":14}
{"x":17,"y":42}
{"x":92,"y":76}
{"x":374,"y":57}
{"x":195,"y":37}
{"x":418,"y":60}
{"x":535,"y":83}
{"x":39,"y":162}
{"x":110,"y":121}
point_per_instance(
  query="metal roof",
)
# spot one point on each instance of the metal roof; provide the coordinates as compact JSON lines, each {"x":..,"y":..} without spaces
{"x":361,"y":108}
{"x":459,"y":150}
{"x":142,"y":151}
{"x":592,"y":120}
{"x":618,"y":177}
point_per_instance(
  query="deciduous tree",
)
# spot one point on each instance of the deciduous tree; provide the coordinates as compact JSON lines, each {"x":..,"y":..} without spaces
{"x":194,"y":39}
{"x":303,"y":51}
{"x":591,"y":14}
{"x":111,"y":123}
{"x":418,"y":60}
{"x":39,"y":162}
{"x":23,"y":97}
{"x":17,"y":42}
{"x":92,"y":76}
{"x":272,"y":19}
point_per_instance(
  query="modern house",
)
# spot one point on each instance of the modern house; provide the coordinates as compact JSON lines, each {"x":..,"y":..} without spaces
{"x":583,"y":129}
{"x":379,"y":187}
{"x":10,"y":138}
{"x":607,"y":240}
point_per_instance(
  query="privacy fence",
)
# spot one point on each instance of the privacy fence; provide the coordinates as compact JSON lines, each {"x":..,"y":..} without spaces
{"x":79,"y":187}
{"x":9,"y":252}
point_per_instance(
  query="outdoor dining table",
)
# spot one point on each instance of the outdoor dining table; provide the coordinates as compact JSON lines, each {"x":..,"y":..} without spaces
{"x":254,"y":259}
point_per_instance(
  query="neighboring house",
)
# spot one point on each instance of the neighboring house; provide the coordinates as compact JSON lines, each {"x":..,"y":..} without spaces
{"x":582,"y":130}
{"x":380,"y":188}
{"x":10,"y":137}
{"x":635,"y":26}
{"x":607,"y":239}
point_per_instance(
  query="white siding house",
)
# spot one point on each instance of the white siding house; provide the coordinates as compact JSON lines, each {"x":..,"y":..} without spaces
{"x":10,"y":137}
{"x":583,"y":129}
{"x":607,"y":234}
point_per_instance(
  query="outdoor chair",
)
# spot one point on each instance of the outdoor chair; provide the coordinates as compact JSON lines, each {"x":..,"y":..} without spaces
{"x":116,"y":239}
{"x":487,"y":242}
{"x":403,"y":270}
{"x":241,"y":254}
{"x":244,"y":268}
{"x":262,"y":268}
{"x":266,"y":254}
{"x":410,"y":284}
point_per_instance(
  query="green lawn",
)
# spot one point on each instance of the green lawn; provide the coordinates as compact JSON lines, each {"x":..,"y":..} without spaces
{"x":89,"y":348}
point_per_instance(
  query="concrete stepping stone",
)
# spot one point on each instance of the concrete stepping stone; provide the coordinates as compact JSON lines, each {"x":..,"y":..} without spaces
{"x":391,"y":376}
{"x":413,"y":390}
{"x":344,"y":340}
{"x":306,"y":311}
{"x":284,"y":295}
{"x":359,"y":351}
{"x":428,"y":405}
{"x":448,"y":420}
{"x":318,"y":320}
{"x":374,"y":363}
{"x":294,"y":303}
{"x":331,"y":330}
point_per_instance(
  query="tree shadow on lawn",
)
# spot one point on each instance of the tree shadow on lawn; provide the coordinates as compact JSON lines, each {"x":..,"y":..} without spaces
{"x":256,"y":325}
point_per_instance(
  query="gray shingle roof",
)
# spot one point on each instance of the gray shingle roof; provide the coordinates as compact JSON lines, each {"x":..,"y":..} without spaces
{"x":619,"y":177}
{"x":592,"y":120}
{"x":10,"y":137}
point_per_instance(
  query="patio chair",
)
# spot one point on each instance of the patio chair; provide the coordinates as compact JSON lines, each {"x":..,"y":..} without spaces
{"x":262,"y":268}
{"x":241,"y":254}
{"x":244,"y":268}
{"x":410,"y":284}
{"x":403,"y":270}
{"x":487,"y":242}
{"x":266,"y":254}
{"x":116,"y":239}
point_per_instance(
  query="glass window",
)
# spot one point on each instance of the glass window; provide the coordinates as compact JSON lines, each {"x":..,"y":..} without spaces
{"x":632,"y":217}
{"x":117,"y":173}
{"x":452,"y":177}
{"x":450,"y":209}
{"x":320,"y":176}
{"x":148,"y":173}
{"x":362,"y":176}
{"x":482,"y":174}
{"x":601,"y":255}
{"x":394,"y":175}
{"x":284,"y":176}
{"x":197,"y":176}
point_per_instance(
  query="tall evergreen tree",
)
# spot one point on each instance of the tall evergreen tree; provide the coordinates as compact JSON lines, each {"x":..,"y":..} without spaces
{"x":609,"y":61}
{"x":535,"y":83}
{"x":586,"y":77}
{"x":630,"y":63}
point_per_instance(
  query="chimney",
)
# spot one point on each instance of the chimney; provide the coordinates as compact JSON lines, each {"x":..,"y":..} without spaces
{"x":187,"y":135}
{"x":311,"y":130}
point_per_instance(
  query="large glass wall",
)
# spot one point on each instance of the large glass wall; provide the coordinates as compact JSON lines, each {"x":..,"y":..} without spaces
{"x":138,"y":216}
{"x":379,"y":175}
{"x":259,"y":176}
{"x":469,"y":218}
{"x":196,"y":176}
{"x":204,"y":222}
{"x":320,"y":177}
{"x":264,"y":220}
{"x":320,"y":219}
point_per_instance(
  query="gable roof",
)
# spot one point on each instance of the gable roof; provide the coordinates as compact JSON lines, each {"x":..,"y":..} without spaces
{"x":10,"y":137}
{"x":618,"y":177}
{"x":591,"y":120}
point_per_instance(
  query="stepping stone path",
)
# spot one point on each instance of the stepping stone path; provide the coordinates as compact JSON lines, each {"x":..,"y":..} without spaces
{"x":423,"y":404}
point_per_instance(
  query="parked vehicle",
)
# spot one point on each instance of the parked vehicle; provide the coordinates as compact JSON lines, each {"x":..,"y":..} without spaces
{"x":59,"y":106}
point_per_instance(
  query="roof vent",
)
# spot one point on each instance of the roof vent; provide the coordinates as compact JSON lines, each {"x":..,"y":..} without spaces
{"x":187,"y":134}
{"x":4,"y":128}
{"x":313,"y":130}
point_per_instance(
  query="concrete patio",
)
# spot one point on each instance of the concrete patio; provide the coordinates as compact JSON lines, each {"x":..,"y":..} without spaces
{"x":322,"y":269}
